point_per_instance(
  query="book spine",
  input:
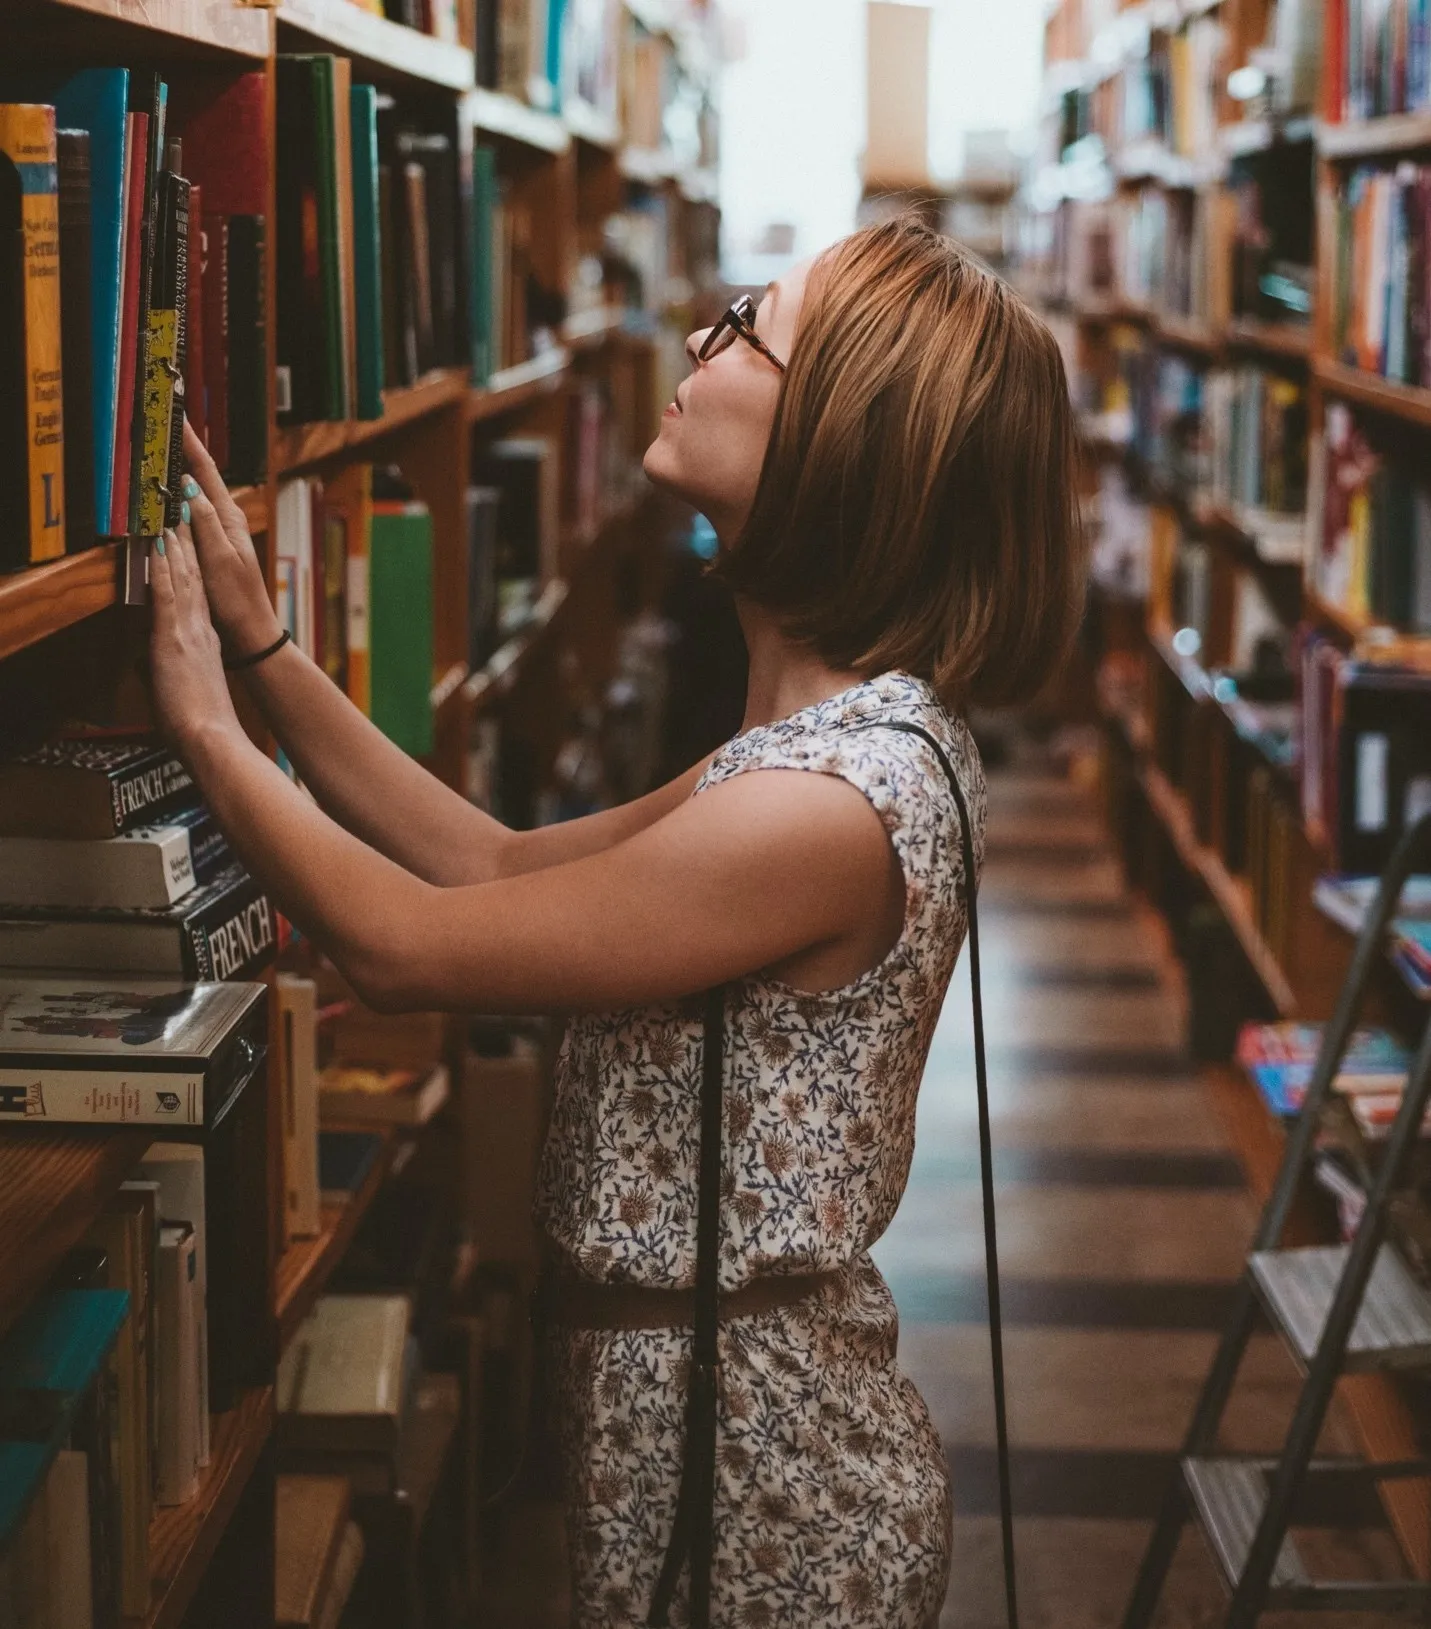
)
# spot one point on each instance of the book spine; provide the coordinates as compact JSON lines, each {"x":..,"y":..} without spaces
{"x":216,"y":337}
{"x":28,"y":146}
{"x":163,"y":377}
{"x":177,"y":1467}
{"x":156,"y":98}
{"x":232,"y":937}
{"x":196,"y":397}
{"x":137,"y":796}
{"x":152,"y":1097}
{"x":247,"y":354}
{"x":76,"y":303}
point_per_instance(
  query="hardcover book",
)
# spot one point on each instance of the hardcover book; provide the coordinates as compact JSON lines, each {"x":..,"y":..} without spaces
{"x":145,"y":1052}
{"x":224,"y":931}
{"x":166,"y":353}
{"x":32,"y":453}
{"x":341,"y":1381}
{"x":76,"y":303}
{"x":145,"y":869}
{"x":83,"y":786}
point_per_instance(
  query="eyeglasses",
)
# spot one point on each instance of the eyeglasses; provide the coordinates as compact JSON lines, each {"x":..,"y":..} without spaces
{"x":738,"y":321}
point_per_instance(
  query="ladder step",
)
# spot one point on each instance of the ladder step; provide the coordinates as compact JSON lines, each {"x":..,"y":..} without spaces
{"x":1392,"y":1328}
{"x":1230,"y":1495}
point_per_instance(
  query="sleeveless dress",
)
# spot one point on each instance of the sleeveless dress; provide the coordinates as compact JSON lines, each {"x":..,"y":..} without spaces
{"x":832,"y":1498}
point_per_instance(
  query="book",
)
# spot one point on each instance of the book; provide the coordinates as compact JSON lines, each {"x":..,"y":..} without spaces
{"x":298,"y":1075}
{"x":367,"y":252}
{"x":91,"y":786}
{"x":222,"y":931}
{"x":154,"y":1053}
{"x":160,"y":465}
{"x":136,"y":180}
{"x":124,"y":1233}
{"x":1282,"y":1057}
{"x":347,"y":1566}
{"x":176,"y":1472}
{"x":524,"y":469}
{"x":144,"y":869}
{"x":32,"y":474}
{"x":149,"y":93}
{"x":348,"y":499}
{"x":341,"y":1381}
{"x":361,"y":1094}
{"x":96,"y":100}
{"x":215,"y":322}
{"x":483,"y":508}
{"x":76,"y":308}
{"x":49,"y":1358}
{"x":247,"y":353}
{"x":293,"y":547}
{"x":177,"y":1169}
{"x":311,"y":1519}
{"x":485,"y":202}
{"x":69,"y":1565}
{"x":196,"y":390}
{"x":400,"y":625}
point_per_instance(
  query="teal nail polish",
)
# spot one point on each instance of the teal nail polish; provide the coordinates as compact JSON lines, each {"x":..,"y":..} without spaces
{"x":184,"y":513}
{"x":190,"y":488}
{"x":159,"y":544}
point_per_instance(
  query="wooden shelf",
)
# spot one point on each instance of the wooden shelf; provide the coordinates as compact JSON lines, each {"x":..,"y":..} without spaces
{"x":1281,"y":339}
{"x":306,"y":1265}
{"x":1351,"y":623}
{"x":1232,"y":894}
{"x":594,"y":128}
{"x":649,"y":165}
{"x":1189,"y":334}
{"x":307,"y":444}
{"x":592,"y":329}
{"x":490,"y":683}
{"x":505,"y":116}
{"x":1367,"y":138}
{"x":39,"y":602}
{"x":380,"y":48}
{"x":220,"y":25}
{"x":53,"y":1183}
{"x":1407,"y":402}
{"x":515,"y":387}
{"x":183,"y":1538}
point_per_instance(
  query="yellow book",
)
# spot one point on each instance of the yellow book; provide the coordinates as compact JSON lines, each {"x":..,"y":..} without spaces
{"x":348,"y":498}
{"x":1359,"y":566}
{"x":31,"y":404}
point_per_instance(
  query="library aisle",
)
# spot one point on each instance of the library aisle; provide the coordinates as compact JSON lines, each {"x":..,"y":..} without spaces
{"x":1122,"y":1225}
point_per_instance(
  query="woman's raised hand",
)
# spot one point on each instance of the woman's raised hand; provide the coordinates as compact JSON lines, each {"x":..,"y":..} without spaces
{"x":233,"y":579}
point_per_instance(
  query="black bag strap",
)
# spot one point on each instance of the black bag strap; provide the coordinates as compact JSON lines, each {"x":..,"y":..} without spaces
{"x":693,"y":1533}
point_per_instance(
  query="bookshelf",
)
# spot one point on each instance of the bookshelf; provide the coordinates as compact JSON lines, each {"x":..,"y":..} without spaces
{"x":569,"y":173}
{"x":1230,"y":587}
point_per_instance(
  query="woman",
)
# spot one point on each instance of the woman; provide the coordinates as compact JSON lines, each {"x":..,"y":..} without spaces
{"x":885,"y":450}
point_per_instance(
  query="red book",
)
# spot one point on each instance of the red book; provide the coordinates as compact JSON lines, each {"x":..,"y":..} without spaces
{"x":225,"y":142}
{"x":196,"y":406}
{"x":137,"y":152}
{"x":215,"y":325}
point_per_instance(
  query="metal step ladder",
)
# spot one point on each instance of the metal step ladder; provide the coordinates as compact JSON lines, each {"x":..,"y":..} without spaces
{"x":1351,"y":1307}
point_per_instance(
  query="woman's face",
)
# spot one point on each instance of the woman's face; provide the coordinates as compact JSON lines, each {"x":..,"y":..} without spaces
{"x":714,"y":435}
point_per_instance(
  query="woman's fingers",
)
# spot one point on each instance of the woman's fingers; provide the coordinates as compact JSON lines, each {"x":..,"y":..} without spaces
{"x":161,"y":576}
{"x":211,"y":541}
{"x":206,"y":473}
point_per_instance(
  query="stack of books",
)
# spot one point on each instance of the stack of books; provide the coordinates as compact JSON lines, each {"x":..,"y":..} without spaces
{"x":109,"y":863}
{"x":1280,"y":1058}
{"x":151,"y":207}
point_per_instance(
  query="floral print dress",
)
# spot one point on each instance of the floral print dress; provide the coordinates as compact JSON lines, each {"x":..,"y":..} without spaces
{"x":832,"y":1499}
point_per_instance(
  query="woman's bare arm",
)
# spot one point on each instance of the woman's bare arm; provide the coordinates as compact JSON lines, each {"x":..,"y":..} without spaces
{"x":366,"y":783}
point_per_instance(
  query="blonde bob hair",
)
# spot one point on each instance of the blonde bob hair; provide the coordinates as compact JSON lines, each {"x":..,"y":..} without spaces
{"x":917,"y":508}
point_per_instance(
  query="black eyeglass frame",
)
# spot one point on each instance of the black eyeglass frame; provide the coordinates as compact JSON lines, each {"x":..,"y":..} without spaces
{"x":738,"y":320}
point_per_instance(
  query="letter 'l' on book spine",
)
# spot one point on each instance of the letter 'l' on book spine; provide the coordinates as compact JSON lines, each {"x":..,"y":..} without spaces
{"x":32,"y":468}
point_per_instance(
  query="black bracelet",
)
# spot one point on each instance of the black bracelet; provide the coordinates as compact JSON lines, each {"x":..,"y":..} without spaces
{"x":259,"y":655}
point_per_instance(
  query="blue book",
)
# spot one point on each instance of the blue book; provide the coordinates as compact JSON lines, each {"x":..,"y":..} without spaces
{"x":97,"y":100}
{"x":367,"y":249}
{"x":48,"y":1361}
{"x":556,"y":15}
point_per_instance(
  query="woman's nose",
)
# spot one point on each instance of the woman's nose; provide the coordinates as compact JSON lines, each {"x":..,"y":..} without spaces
{"x":693,"y":346}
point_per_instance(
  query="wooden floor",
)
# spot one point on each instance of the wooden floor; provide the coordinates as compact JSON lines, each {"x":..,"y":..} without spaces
{"x":1123,"y":1222}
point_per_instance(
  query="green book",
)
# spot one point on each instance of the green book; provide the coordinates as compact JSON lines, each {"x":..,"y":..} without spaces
{"x":48,"y":1361}
{"x":367,"y":249}
{"x":484,"y":205}
{"x":400,"y":624}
